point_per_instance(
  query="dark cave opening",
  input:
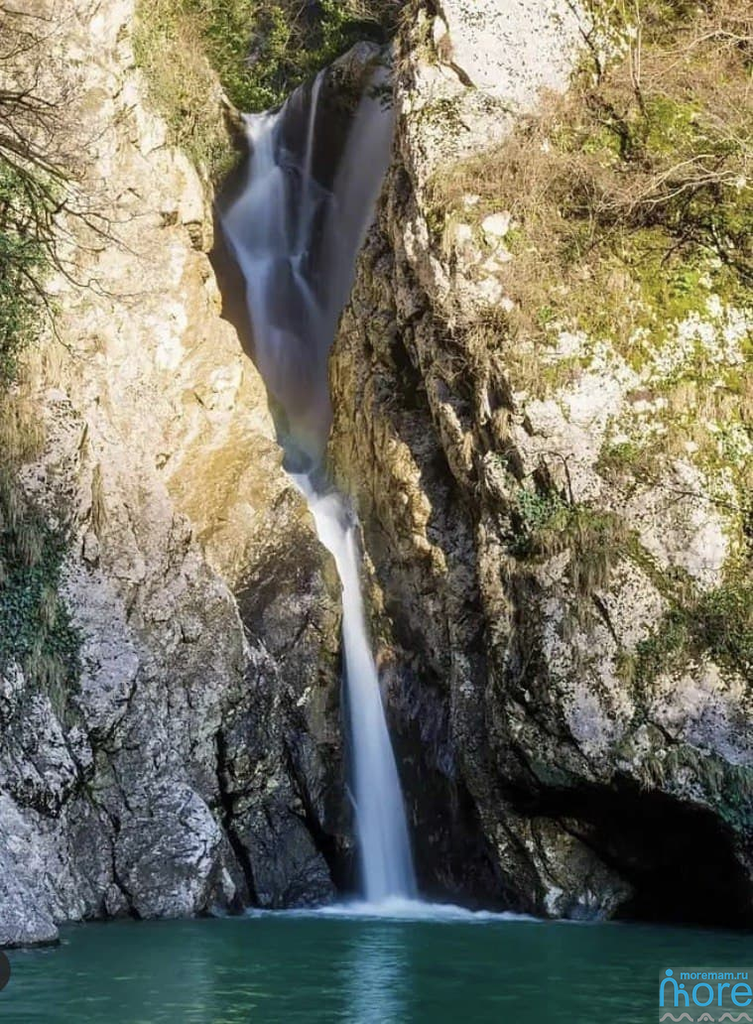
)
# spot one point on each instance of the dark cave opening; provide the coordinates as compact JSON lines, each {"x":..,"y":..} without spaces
{"x":680,"y":859}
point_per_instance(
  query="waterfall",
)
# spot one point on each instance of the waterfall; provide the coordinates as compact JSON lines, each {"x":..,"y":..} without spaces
{"x":382,"y":831}
{"x":295,"y":228}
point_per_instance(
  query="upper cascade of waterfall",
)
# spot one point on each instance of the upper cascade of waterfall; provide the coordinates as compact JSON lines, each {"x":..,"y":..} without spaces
{"x":295,"y":225}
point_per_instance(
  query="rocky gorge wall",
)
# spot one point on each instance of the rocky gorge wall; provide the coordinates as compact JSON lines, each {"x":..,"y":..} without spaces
{"x":573,"y":740}
{"x":195,"y":760}
{"x":529,"y":599}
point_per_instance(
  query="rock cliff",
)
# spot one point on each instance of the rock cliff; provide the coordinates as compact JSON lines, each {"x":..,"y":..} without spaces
{"x":194,"y":763}
{"x":542,"y":413}
{"x":569,"y":714}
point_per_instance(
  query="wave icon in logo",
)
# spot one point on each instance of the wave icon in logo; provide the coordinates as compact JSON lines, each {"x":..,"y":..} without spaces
{"x":741,"y":1016}
{"x":670,"y":1016}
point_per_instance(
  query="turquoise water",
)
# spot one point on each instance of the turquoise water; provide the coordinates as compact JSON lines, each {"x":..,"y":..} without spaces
{"x":289,"y":968}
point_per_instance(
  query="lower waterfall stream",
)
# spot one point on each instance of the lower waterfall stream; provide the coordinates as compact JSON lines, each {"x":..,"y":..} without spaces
{"x":295,"y":242}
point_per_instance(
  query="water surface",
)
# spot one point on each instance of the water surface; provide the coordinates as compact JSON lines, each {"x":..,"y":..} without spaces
{"x":335,"y":967}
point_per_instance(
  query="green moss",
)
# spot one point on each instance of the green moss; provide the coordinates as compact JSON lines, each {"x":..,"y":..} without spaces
{"x":668,"y":291}
{"x":515,"y":239}
{"x":603,"y":142}
{"x":669,"y":127}
{"x":727,"y":786}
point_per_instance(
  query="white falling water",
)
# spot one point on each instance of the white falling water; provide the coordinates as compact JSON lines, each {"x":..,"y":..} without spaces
{"x":296,"y":243}
{"x":382,"y":831}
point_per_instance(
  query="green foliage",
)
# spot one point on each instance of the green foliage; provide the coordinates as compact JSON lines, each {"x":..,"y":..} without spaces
{"x":23,"y":260}
{"x":260,"y":49}
{"x":718,"y":621}
{"x":171,"y":51}
{"x":290,"y":42}
{"x":664,"y":649}
{"x":539,"y":512}
{"x":226,"y":28}
{"x":724,"y":623}
{"x":35,"y":625}
{"x":595,"y":538}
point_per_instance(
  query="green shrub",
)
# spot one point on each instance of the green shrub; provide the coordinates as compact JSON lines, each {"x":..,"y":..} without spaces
{"x":596,"y":539}
{"x":718,"y":622}
{"x":23,"y":261}
{"x":260,"y":50}
{"x":170,"y":49}
{"x":286,"y":43}
{"x":724,"y":623}
{"x":35,"y":626}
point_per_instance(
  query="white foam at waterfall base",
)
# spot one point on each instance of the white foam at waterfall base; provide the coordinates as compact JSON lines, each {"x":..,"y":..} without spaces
{"x":397,"y":908}
{"x":296,"y":244}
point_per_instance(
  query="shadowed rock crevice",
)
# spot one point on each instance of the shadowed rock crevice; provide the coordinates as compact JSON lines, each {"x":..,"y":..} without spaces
{"x":247,"y":895}
{"x":337,"y":851}
{"x":454,"y":861}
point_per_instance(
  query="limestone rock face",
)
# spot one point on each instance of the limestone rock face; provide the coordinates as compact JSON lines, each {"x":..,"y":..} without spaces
{"x":577,"y":789}
{"x":197,"y":764}
{"x":509,"y":49}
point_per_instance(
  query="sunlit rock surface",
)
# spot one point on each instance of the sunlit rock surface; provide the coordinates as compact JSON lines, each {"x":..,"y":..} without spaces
{"x":197,"y":766}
